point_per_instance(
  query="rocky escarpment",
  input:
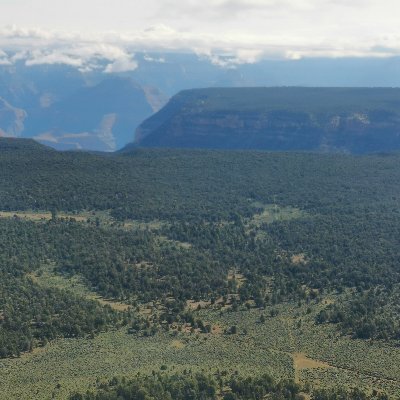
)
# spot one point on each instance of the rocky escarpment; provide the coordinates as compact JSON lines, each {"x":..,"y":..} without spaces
{"x":320,"y":119}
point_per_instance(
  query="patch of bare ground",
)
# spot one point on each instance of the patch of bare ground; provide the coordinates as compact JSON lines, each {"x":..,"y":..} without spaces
{"x":238,"y":278}
{"x":152,"y":225}
{"x":301,"y":361}
{"x":115,"y":305}
{"x":216,"y":330}
{"x":298,"y":259}
{"x":144,"y":265}
{"x":40,"y":216}
{"x":183,"y":245}
{"x":177,"y":344}
{"x":25,"y":215}
{"x":196,"y":305}
{"x":188,"y":328}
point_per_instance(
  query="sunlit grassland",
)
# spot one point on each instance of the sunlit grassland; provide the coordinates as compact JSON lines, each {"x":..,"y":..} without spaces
{"x":280,"y":346}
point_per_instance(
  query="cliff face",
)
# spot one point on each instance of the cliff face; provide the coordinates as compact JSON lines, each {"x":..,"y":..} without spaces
{"x":324,"y":119}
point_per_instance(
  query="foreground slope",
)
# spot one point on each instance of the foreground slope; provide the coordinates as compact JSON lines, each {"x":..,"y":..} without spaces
{"x":355,"y":120}
{"x":184,"y":262}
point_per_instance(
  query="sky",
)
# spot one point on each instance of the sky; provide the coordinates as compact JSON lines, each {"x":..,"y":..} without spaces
{"x":77,"y":32}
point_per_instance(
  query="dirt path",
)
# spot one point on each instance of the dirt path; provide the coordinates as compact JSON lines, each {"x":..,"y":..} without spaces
{"x":302,"y":362}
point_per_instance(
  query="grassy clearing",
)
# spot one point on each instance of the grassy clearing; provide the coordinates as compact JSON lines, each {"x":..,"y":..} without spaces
{"x":238,"y":278}
{"x":42,"y":215}
{"x":102,"y":218}
{"x":48,"y":277}
{"x":272,"y":213}
{"x":151,"y":225}
{"x":183,"y":245}
{"x":195,"y":305}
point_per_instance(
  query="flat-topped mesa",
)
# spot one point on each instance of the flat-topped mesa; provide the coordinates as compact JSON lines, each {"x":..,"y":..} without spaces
{"x":353,"y":120}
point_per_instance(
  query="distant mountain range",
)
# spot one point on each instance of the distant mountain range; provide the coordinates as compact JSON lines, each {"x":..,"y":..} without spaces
{"x":351,"y":120}
{"x":100,"y":117}
{"x":66,"y":108}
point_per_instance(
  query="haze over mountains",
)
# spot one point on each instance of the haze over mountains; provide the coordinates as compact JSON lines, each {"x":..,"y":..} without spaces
{"x":68,"y":108}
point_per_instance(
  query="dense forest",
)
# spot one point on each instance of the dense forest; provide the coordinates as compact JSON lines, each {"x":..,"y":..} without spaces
{"x":192,"y":184}
{"x":31,"y":315}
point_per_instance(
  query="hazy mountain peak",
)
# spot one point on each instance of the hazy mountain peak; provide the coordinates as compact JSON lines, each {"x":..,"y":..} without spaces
{"x":12,"y":119}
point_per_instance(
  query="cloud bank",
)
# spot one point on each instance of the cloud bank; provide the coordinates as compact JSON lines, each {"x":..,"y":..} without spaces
{"x":226,"y":32}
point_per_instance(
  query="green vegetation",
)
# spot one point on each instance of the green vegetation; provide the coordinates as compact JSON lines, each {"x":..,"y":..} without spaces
{"x":373,"y":314}
{"x":196,"y":387}
{"x":278,"y":264}
{"x":78,"y":365}
{"x":31,"y":316}
{"x":203,"y":387}
{"x":207,"y":185}
{"x":278,"y":98}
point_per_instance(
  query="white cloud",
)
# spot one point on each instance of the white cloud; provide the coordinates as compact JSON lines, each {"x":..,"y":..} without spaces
{"x":231,"y":60}
{"x":160,"y":60}
{"x":4,"y":59}
{"x":56,"y":57}
{"x":86,"y":56}
{"x":244,"y":48}
{"x":114,"y":52}
{"x":121,"y":65}
{"x":227,"y":32}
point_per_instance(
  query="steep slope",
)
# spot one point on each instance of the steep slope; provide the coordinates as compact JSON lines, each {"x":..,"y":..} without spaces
{"x":356,"y":120}
{"x":101,"y":117}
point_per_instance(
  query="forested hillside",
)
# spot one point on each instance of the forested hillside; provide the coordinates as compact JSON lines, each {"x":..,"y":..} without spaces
{"x":197,"y":246}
